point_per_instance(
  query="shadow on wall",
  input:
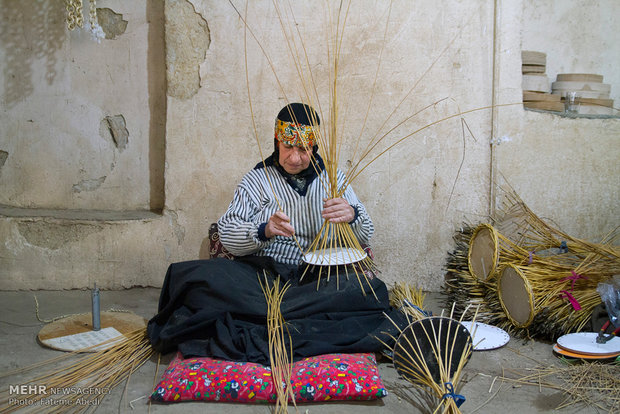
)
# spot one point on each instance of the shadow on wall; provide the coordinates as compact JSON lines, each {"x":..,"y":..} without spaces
{"x":28,"y":33}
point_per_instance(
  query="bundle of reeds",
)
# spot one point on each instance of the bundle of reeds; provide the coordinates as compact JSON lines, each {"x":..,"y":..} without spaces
{"x":520,"y":224}
{"x":96,"y":372}
{"x":535,"y":282}
{"x":408,"y":298}
{"x":280,"y":357}
{"x":431,"y":353}
{"x":461,"y":289}
{"x":566,"y":296}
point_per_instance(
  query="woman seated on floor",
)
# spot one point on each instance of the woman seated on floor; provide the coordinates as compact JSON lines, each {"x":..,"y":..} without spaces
{"x":217,"y":307}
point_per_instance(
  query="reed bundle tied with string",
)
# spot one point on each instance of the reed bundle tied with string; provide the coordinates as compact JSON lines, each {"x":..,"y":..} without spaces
{"x":407,"y":298}
{"x":520,"y":224}
{"x":431,"y":353}
{"x":560,"y":273}
{"x":560,"y":298}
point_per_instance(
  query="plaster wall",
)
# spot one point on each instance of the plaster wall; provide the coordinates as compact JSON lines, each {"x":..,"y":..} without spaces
{"x":75,"y":119}
{"x":452,"y":56}
{"x":566,"y":169}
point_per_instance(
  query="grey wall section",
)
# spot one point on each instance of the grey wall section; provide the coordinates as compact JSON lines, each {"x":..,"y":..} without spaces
{"x":79,"y":204}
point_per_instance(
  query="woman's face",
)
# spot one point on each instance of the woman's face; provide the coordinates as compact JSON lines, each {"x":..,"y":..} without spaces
{"x":293,"y":159}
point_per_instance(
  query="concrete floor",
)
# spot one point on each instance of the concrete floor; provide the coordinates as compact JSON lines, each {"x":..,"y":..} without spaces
{"x":484,"y":391}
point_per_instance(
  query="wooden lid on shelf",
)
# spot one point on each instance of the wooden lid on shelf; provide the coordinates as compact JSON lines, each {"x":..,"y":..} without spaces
{"x":581,"y":86}
{"x":530,"y":57}
{"x":529,"y":96}
{"x":608,"y":103}
{"x":580,"y":77}
{"x":533,"y":68}
{"x":545,"y":105}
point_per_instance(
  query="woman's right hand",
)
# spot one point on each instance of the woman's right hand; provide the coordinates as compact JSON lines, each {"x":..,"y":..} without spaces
{"x":279,"y":225}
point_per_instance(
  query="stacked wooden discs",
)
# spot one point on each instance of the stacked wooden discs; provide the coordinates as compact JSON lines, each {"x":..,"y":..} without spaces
{"x":536,"y":83}
{"x":591,"y":93}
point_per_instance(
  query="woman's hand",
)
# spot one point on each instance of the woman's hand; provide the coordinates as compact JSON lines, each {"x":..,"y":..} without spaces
{"x":337,"y":210}
{"x":279,"y":225}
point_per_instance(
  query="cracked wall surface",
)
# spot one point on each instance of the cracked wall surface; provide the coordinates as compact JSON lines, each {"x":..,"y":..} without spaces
{"x":53,"y":236}
{"x":187,"y":42}
{"x":111,"y":22}
{"x":70,"y":84}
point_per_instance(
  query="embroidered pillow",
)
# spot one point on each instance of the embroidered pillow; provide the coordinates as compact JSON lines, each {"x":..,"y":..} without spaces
{"x":337,"y":377}
{"x":319,"y":378}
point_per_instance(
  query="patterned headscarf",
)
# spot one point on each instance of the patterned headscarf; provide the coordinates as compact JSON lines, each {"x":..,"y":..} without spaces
{"x":295,"y":125}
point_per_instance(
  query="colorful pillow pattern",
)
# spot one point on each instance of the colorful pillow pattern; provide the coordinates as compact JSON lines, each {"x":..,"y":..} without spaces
{"x":319,"y":378}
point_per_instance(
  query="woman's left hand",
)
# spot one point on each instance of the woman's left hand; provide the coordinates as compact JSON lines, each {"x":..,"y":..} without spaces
{"x":337,"y":210}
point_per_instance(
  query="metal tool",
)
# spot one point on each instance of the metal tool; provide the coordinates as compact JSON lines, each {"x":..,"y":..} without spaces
{"x":603,"y":337}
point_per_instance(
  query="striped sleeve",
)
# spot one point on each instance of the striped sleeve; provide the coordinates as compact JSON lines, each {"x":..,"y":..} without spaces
{"x":362,"y":227}
{"x":238,"y":227}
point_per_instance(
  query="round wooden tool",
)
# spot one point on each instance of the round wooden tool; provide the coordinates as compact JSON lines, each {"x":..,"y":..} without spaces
{"x":123,"y":322}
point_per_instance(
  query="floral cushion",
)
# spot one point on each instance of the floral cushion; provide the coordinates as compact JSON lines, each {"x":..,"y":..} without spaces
{"x":319,"y":378}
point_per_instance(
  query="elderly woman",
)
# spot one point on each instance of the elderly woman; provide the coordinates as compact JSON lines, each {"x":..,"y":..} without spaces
{"x":217,"y":307}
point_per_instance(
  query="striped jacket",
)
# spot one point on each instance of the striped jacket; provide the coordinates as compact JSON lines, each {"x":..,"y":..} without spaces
{"x":254,"y":203}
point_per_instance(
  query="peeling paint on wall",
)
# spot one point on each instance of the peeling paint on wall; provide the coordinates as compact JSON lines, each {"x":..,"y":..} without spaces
{"x":112,"y":23}
{"x":179,"y":230}
{"x":187,"y":41}
{"x":3,"y":156}
{"x":117,"y":128}
{"x":88,"y":185}
{"x":54,"y":235}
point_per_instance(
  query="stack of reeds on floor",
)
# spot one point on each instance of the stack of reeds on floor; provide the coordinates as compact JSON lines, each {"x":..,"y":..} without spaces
{"x":596,"y":385}
{"x":526,"y":276}
{"x":280,"y":355}
{"x":83,"y":379}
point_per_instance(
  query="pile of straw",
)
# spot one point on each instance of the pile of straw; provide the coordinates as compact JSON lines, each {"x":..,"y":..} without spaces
{"x":592,"y":384}
{"x":408,"y":299}
{"x":561,"y":273}
{"x":99,"y":371}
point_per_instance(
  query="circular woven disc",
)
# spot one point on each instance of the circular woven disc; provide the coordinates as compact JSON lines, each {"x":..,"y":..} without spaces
{"x":123,"y":322}
{"x":515,"y":296}
{"x":426,"y":342}
{"x":483,"y":253}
